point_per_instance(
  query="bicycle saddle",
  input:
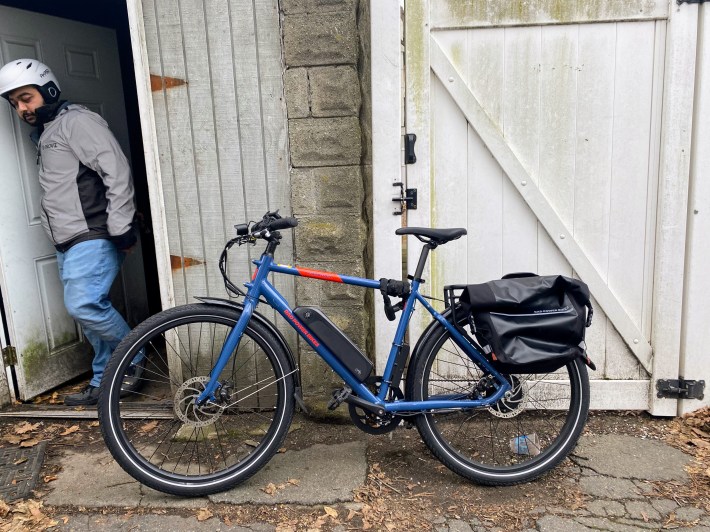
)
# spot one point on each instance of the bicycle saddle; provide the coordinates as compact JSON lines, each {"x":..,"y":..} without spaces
{"x":439,"y":236}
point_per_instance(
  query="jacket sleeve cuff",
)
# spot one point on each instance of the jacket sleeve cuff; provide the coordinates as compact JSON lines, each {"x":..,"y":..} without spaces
{"x":126,"y":240}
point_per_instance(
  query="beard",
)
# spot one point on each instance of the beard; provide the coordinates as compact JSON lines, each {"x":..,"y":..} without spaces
{"x":30,"y":118}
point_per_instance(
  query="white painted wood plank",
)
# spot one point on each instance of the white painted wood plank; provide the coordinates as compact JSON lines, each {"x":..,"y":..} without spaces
{"x":387,"y":89}
{"x":484,"y":13}
{"x":619,"y":394}
{"x":486,"y":53}
{"x":138,"y":20}
{"x":630,"y":172}
{"x":449,"y":131}
{"x":558,"y":106}
{"x":520,"y":128}
{"x":659,"y":58}
{"x":248,"y":102}
{"x":448,"y":194}
{"x":630,"y":183}
{"x":226,"y":120}
{"x":593,"y":151}
{"x":673,"y":197}
{"x":418,"y":115}
{"x":696,"y":313}
{"x":201,"y":59}
{"x":522,"y":181}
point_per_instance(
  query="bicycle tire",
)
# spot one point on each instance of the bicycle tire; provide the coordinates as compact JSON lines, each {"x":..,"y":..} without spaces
{"x":523,"y":436}
{"x":160,"y":437}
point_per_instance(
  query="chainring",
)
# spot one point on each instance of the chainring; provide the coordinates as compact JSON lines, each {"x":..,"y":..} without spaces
{"x":514,"y":400}
{"x":370,"y":422}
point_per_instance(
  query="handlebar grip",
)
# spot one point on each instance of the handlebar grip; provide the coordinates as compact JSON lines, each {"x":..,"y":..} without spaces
{"x":283,"y":223}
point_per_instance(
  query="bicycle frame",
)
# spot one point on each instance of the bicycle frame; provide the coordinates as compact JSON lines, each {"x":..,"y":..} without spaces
{"x":260,"y":287}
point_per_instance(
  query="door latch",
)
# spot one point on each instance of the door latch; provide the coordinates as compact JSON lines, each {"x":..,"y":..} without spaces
{"x":680,"y":389}
{"x":407,"y":198}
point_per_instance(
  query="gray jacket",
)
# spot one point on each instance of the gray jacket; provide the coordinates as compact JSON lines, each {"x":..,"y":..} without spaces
{"x":85,"y":179}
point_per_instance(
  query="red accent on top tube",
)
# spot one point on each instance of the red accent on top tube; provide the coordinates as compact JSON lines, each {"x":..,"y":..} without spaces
{"x":318,"y":274}
{"x":256,"y":270}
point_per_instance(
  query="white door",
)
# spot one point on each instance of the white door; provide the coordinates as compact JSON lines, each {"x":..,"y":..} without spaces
{"x":540,"y":130}
{"x":48,"y":343}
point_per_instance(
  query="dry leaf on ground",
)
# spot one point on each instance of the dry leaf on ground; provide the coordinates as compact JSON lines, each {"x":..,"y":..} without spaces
{"x":332,"y":512}
{"x":203,"y":514}
{"x":30,"y":443}
{"x":26,"y":427}
{"x":70,"y":430}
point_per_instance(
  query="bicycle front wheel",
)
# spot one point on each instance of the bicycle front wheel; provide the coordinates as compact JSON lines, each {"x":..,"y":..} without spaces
{"x":525,"y":434}
{"x":154,"y":428}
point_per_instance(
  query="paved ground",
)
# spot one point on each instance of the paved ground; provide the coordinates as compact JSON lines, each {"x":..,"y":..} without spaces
{"x":611,"y":482}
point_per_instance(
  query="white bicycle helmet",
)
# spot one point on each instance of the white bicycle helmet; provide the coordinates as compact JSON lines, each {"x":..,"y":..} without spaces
{"x":22,"y":72}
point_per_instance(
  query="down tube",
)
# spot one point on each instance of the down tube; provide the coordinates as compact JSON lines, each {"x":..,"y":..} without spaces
{"x":279,"y":303}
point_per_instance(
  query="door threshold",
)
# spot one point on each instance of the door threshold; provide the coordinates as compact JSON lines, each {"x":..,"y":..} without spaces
{"x":137,"y":411}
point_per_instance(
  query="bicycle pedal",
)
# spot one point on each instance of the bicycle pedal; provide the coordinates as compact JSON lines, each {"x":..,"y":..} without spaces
{"x":338,"y":396}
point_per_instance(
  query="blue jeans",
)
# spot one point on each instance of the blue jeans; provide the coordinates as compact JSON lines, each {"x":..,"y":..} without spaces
{"x":87,"y":271}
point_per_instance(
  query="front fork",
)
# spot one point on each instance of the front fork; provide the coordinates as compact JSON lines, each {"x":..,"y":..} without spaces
{"x":234,"y":337}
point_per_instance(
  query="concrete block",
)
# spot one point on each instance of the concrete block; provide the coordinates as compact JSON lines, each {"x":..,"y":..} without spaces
{"x":320,"y":39}
{"x":330,"y":236}
{"x":294,"y":7}
{"x":325,"y":141}
{"x":296,"y":90}
{"x":335,"y":91}
{"x":337,"y":189}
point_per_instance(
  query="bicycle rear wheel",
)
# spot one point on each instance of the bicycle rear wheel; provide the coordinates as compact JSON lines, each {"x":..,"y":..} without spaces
{"x":522,"y":436}
{"x":160,"y":436}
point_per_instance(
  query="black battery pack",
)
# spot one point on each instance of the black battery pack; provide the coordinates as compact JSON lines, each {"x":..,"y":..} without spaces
{"x":336,"y":341}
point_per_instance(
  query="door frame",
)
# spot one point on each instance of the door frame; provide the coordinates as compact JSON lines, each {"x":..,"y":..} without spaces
{"x":151,"y":151}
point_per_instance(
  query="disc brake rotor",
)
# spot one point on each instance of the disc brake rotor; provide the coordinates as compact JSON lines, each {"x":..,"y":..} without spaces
{"x":514,"y":400}
{"x":186,"y":409}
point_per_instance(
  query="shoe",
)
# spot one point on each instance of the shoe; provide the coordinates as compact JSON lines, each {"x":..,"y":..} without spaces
{"x":132,"y":381}
{"x":86,"y":397}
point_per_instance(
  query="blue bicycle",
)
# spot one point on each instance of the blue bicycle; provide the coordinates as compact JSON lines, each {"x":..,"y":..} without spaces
{"x":218,"y":384}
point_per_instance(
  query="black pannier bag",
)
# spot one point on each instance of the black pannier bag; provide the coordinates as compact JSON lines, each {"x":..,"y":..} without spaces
{"x":528,"y":323}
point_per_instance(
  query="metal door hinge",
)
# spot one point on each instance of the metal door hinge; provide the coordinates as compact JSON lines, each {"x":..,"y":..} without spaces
{"x":9,"y":355}
{"x":680,"y":389}
{"x":407,"y":197}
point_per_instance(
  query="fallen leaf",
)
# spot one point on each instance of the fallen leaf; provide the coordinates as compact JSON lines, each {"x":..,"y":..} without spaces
{"x":20,"y":461}
{"x":94,"y":424}
{"x":270,"y":489}
{"x":70,"y":430}
{"x":65,"y":518}
{"x":281,"y":450}
{"x":50,"y":478}
{"x":13,"y":439}
{"x":251,"y":443}
{"x":352,"y":514}
{"x":25,"y":427}
{"x":332,"y":512}
{"x":30,"y":443}
{"x":203,"y":514}
{"x":4,"y":508}
{"x":145,"y":429}
{"x":293,"y":481}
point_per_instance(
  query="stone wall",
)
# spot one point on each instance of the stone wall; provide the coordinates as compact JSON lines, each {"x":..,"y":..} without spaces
{"x":329,"y":157}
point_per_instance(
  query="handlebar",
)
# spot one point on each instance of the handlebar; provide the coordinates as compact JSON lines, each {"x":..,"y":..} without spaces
{"x":271,"y":222}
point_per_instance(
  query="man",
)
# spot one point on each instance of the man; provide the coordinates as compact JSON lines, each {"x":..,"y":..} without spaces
{"x":87,"y":207}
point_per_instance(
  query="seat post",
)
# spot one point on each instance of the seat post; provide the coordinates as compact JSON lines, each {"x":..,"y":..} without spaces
{"x":422,"y":260}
